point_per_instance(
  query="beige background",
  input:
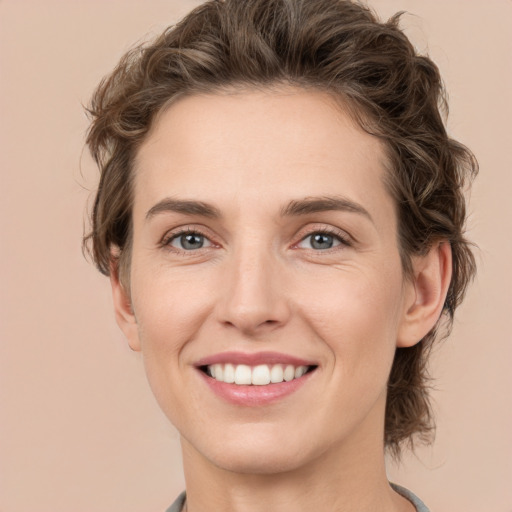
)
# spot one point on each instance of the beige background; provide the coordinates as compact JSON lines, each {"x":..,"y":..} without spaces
{"x":79,"y":429}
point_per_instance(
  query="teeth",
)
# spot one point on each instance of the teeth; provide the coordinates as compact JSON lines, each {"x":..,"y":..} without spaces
{"x":289,"y":373}
{"x":276,"y":374}
{"x":261,"y":375}
{"x":218,"y":371}
{"x":242,"y":374}
{"x":229,"y":373}
{"x":300,"y":371}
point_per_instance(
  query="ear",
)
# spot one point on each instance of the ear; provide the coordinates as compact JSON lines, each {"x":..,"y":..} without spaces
{"x":426,"y":293}
{"x":125,"y":317}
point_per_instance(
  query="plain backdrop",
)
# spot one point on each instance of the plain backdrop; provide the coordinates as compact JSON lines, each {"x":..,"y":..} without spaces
{"x":79,"y":428}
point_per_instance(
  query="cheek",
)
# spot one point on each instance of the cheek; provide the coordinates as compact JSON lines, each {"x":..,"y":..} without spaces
{"x":357,"y":315}
{"x":170,"y":309}
{"x":169,"y":312}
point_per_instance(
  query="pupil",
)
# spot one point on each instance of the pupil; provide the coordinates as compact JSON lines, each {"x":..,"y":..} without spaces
{"x":191,"y":241}
{"x":322,"y":241}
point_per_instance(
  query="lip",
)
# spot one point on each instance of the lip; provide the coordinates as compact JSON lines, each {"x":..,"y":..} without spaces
{"x":254,"y":396}
{"x":253,"y":359}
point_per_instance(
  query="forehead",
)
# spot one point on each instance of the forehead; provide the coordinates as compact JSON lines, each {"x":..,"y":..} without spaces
{"x":258,"y":146}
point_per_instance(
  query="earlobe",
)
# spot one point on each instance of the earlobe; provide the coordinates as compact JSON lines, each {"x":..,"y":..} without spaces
{"x":124,"y":314}
{"x":426,"y":295}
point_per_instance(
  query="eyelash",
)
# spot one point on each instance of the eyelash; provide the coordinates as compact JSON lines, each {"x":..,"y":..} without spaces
{"x":343,"y":239}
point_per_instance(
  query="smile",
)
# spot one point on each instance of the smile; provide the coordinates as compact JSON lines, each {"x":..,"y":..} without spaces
{"x":260,"y":375}
{"x":256,"y":379}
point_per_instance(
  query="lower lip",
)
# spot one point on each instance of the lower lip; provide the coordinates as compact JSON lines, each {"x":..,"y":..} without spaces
{"x":253,"y":396}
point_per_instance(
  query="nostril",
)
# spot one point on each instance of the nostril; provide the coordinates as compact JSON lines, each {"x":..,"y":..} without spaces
{"x":251,"y":324}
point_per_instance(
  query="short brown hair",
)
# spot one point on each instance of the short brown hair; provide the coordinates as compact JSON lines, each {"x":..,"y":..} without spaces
{"x":338,"y":46}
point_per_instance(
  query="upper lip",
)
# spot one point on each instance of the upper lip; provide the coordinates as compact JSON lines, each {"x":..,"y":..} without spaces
{"x":253,"y":359}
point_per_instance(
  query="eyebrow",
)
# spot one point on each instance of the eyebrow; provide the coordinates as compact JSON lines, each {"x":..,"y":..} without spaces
{"x":310,"y":205}
{"x":299,"y":207}
{"x":182,"y":206}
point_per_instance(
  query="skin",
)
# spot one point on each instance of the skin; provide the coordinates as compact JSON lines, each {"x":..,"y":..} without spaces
{"x":258,"y":284}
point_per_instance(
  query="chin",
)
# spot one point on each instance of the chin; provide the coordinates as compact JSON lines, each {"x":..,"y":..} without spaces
{"x":258,"y":462}
{"x":258,"y":453}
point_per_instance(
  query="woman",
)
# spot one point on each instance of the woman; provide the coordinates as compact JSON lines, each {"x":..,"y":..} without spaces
{"x":281,"y":216}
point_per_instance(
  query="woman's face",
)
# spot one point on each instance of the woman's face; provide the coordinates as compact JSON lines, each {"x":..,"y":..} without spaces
{"x":265,"y":243}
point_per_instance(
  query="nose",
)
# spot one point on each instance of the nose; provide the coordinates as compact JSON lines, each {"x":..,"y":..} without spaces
{"x":254,"y":298}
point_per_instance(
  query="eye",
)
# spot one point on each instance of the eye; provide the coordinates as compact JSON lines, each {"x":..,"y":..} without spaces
{"x":188,"y":241}
{"x":321,"y":241}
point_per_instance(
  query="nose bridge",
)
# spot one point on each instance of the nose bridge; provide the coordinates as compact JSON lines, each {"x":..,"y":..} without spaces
{"x":253,"y":296}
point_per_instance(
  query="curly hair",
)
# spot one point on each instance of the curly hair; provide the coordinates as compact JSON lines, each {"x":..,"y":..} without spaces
{"x":337,"y":46}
